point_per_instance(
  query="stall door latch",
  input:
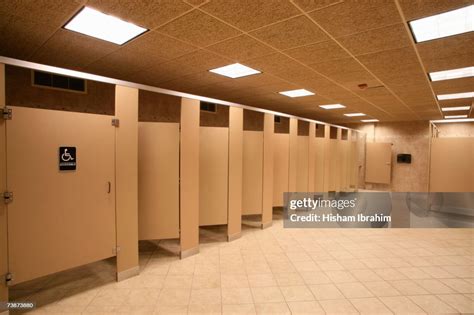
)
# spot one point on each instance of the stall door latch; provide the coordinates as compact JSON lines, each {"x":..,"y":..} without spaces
{"x":7,"y":197}
{"x":9,"y":279}
{"x":7,"y":113}
{"x":115,"y":122}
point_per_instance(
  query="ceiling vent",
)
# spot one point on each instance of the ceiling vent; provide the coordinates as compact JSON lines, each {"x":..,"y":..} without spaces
{"x":208,"y":107}
{"x":57,"y":81}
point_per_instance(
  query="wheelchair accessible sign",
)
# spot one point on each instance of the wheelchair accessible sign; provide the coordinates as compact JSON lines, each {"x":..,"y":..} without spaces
{"x":67,"y":158}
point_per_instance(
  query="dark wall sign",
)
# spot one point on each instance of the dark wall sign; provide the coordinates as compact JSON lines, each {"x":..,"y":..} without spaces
{"x":67,"y":158}
{"x":404,"y":158}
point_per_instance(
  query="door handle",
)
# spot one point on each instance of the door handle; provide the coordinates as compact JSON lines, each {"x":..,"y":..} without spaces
{"x":109,"y":190}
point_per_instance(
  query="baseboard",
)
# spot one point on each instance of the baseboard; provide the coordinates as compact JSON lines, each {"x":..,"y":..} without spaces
{"x":234,"y":236}
{"x":189,"y":252}
{"x":266,"y":224}
{"x":129,"y":273}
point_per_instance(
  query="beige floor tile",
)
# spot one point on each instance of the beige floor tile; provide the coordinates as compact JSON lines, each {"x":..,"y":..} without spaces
{"x":340,"y":276}
{"x":401,"y":305}
{"x":238,"y":309}
{"x":434,"y":286}
{"x":329,"y":265}
{"x":432,"y":305}
{"x":390,"y":274}
{"x":135,"y":309}
{"x":305,"y":308}
{"x":114,"y":297}
{"x":171,"y":309}
{"x":370,"y":306}
{"x":205,"y":296}
{"x":171,"y":296}
{"x":100,"y":309}
{"x":209,"y":281}
{"x":315,"y":278}
{"x":178,"y":282}
{"x":338,"y":307}
{"x":460,"y":271}
{"x":150,"y":281}
{"x":298,"y":256}
{"x":381,"y":288}
{"x":142,"y":297}
{"x":296,"y":293}
{"x":272,"y":308}
{"x":458,"y":301}
{"x":78,"y":297}
{"x":373,"y":263}
{"x":234,"y":281}
{"x":414,"y":273}
{"x":236,"y":296}
{"x":302,"y":266}
{"x":267,"y":295}
{"x":365,"y":275}
{"x":326,"y":292}
{"x":286,"y":279}
{"x":351,"y":264}
{"x":354,"y":290}
{"x":408,"y":287}
{"x":459,"y":285}
{"x":261,"y":280}
{"x":205,"y":309}
{"x":436,"y":272}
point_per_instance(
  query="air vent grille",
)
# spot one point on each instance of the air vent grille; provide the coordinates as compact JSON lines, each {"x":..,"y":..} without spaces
{"x":208,"y":107}
{"x":57,"y":81}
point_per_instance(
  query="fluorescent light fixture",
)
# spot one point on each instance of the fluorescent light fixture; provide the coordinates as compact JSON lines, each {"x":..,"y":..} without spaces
{"x":354,"y":114}
{"x":456,"y":108}
{"x":297,"y":93}
{"x":452,"y":74}
{"x":106,"y":27}
{"x":455,"y":116}
{"x":445,"y":24}
{"x":369,"y":120}
{"x":235,"y":70}
{"x":455,"y":96}
{"x":453,"y":120}
{"x":332,"y":106}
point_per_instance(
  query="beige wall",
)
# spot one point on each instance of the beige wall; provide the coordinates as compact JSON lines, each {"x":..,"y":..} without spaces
{"x":3,"y":187}
{"x":126,"y":159}
{"x":189,"y":177}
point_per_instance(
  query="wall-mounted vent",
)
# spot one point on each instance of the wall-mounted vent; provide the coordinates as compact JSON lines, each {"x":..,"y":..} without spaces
{"x":208,"y":107}
{"x":57,"y":81}
{"x":277,"y":119}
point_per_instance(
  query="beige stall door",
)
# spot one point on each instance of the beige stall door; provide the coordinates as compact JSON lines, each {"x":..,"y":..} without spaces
{"x":281,"y":156}
{"x":302,"y":164}
{"x":59,"y":219}
{"x":452,"y":165}
{"x":213,"y":175}
{"x":158,"y":180}
{"x":319,"y":165}
{"x":252,"y":179}
{"x":378,"y":163}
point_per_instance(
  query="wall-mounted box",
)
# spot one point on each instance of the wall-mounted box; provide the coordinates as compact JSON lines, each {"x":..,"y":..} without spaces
{"x":404,"y":158}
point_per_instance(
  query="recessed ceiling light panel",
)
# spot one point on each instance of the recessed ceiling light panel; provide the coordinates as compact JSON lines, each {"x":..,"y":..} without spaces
{"x":452,"y":74}
{"x":445,"y":24}
{"x":456,"y":108}
{"x":354,"y":114}
{"x":455,"y":96}
{"x":332,"y":106}
{"x":369,"y":120}
{"x":455,"y":116}
{"x":297,"y":93}
{"x":235,"y":70}
{"x":453,"y":120}
{"x":102,"y":26}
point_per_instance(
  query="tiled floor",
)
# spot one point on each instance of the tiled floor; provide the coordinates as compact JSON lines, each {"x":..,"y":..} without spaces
{"x":279,"y":271}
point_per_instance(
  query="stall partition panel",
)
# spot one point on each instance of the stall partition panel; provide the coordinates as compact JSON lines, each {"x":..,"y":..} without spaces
{"x":334,"y":165}
{"x":59,"y":219}
{"x":213,"y":175}
{"x":346,"y":158}
{"x":319,"y":164}
{"x":158,"y":180}
{"x":302,"y":164}
{"x":354,"y":164}
{"x":252,"y":180}
{"x":378,"y":162}
{"x":452,"y":167}
{"x":281,"y":147}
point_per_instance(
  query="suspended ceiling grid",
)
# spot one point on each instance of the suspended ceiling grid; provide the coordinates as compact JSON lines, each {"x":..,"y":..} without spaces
{"x":328,"y":47}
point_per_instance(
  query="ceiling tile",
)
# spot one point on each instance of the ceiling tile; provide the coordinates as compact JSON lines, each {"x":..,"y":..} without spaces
{"x":454,"y":86}
{"x":310,"y":5}
{"x":162,"y":72}
{"x":273,"y":63}
{"x":319,"y":52}
{"x":72,"y":50}
{"x":352,"y":17}
{"x":423,"y":8}
{"x":203,"y":60}
{"x":291,"y":33}
{"x":251,"y":14}
{"x":241,"y":48}
{"x":385,"y":38}
{"x":198,"y":29}
{"x":145,"y":13}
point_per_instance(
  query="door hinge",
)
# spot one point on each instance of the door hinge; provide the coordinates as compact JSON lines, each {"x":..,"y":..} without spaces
{"x":7,"y":197}
{"x":115,"y":122}
{"x":9,"y":279}
{"x":7,"y":113}
{"x":115,"y":250}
